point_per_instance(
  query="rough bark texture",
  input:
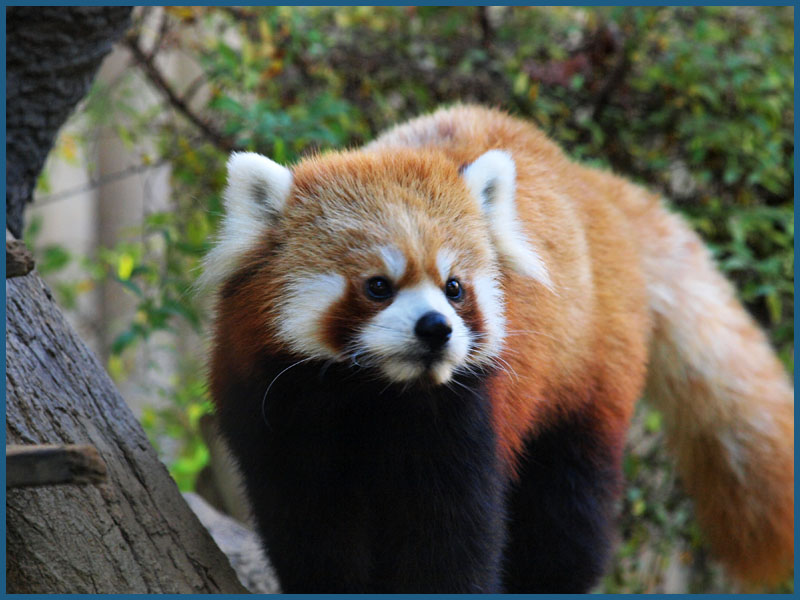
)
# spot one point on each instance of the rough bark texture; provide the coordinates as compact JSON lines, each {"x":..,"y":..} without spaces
{"x":52,"y":56}
{"x":19,"y":260}
{"x":132,"y":534}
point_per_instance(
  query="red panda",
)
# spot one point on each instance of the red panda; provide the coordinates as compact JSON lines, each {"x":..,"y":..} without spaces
{"x":427,"y":351}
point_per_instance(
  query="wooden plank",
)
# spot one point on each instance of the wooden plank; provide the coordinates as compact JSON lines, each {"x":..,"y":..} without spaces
{"x":37,"y":465}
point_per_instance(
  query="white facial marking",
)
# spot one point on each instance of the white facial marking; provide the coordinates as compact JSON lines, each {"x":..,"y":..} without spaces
{"x":394,"y":260}
{"x":442,"y":372}
{"x":306,"y":301}
{"x":399,"y":370}
{"x":489,"y":298}
{"x":444,"y":262}
{"x":389,"y":339}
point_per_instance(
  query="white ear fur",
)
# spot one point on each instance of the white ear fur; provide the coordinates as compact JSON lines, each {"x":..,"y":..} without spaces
{"x":257,"y":187}
{"x":254,"y":198}
{"x":492,"y":180}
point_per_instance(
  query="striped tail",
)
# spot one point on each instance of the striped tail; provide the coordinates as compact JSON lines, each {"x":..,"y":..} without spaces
{"x":727,"y":403}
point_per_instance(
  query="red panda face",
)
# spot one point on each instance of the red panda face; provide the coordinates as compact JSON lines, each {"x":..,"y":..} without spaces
{"x":384,"y":261}
{"x":429,"y":326}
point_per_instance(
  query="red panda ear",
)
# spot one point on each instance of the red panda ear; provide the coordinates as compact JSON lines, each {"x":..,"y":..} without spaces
{"x":257,"y":187}
{"x":492,"y":180}
{"x":254,"y":199}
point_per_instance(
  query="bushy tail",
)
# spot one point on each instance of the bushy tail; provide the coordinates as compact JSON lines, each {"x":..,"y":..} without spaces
{"x":726,"y":400}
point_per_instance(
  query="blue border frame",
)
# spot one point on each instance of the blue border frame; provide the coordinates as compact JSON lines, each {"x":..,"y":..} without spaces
{"x":3,"y":468}
{"x":92,"y":3}
{"x":318,"y":3}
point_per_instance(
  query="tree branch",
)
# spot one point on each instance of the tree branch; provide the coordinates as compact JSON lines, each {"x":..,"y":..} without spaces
{"x":162,"y":33}
{"x":613,"y":82}
{"x":221,"y":141}
{"x":486,"y":26}
{"x":99,"y":182}
{"x":193,"y":87}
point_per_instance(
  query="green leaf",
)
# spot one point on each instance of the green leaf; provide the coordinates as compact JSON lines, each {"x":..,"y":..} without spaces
{"x":54,"y":258}
{"x":653,"y":421}
{"x":131,"y":286}
{"x":124,"y":340}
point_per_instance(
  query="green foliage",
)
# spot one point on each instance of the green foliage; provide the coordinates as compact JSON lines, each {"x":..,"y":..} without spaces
{"x":187,"y":401}
{"x":657,"y":523}
{"x":51,"y":258}
{"x":694,"y":102}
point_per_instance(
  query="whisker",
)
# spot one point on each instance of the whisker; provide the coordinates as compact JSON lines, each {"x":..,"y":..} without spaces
{"x":462,"y":385}
{"x":386,"y":387}
{"x":326,"y":366}
{"x":506,"y":366}
{"x":264,"y":399}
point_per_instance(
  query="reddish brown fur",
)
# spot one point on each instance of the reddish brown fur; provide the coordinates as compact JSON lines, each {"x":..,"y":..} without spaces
{"x":585,"y":342}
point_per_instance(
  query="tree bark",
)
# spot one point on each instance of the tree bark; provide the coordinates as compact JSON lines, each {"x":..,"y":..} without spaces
{"x":134,"y":533}
{"x":52,"y":56}
{"x":19,"y":260}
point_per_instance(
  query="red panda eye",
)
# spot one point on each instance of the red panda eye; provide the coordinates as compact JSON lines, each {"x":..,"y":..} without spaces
{"x":379,"y":288}
{"x":453,"y":290}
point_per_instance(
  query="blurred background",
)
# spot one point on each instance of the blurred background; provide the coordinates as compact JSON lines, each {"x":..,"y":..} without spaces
{"x":695,"y":103}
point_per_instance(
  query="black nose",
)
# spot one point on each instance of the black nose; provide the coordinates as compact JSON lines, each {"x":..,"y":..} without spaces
{"x":433,"y":329}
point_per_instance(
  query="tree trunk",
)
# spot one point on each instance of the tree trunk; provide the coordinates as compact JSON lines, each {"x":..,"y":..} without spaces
{"x":134,"y":533}
{"x":52,"y":56}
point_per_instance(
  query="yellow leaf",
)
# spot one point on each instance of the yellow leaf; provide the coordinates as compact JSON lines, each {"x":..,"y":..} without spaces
{"x":186,"y":13}
{"x":342,"y":19}
{"x":533,"y":93}
{"x":275,"y":68}
{"x":69,"y":149}
{"x":248,"y":52}
{"x":116,"y":368}
{"x":521,"y":83}
{"x":125,"y":267}
{"x":638,"y":508}
{"x":264,"y":31}
{"x":87,"y":285}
